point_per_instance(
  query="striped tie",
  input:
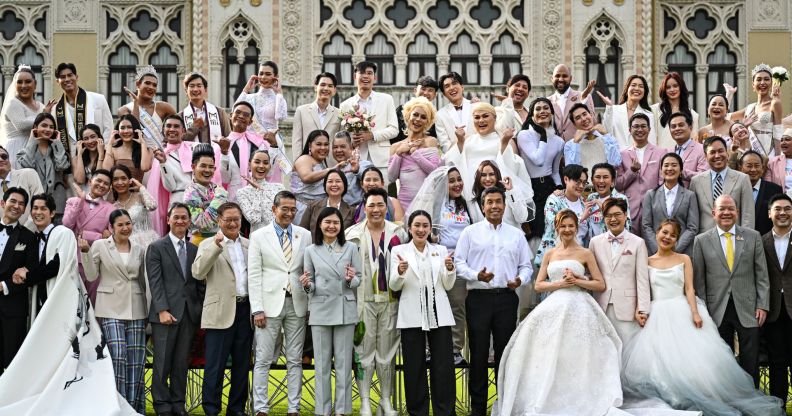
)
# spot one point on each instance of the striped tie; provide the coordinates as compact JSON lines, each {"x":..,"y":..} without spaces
{"x":679,"y":150}
{"x":717,"y":188}
{"x":287,"y":248}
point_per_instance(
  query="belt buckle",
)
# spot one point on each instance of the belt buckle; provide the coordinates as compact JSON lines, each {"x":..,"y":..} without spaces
{"x":241,"y":299}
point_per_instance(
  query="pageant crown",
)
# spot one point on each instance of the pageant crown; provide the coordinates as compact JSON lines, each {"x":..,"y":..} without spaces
{"x":146,"y":70}
{"x":763,"y":67}
{"x":23,"y":67}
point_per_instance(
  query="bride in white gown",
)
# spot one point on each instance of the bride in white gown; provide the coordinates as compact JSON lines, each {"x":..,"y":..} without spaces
{"x":679,"y":356}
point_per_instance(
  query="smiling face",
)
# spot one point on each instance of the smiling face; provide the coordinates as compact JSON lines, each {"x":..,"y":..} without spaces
{"x":45,"y":129}
{"x":582,"y":119}
{"x":635,"y":90}
{"x":68,"y":81}
{"x":518,"y":92}
{"x":365,"y":79}
{"x":574,"y":188}
{"x":370,"y":181}
{"x":147,"y":87}
{"x":484,"y":122}
{"x":420,"y":229}
{"x":266,"y":76}
{"x":567,"y":229}
{"x":5,"y":164}
{"x":717,"y":108}
{"x":260,"y":165}
{"x":488,"y":178}
{"x":781,"y":214}
{"x":342,"y":151}
{"x":174,"y":131}
{"x":126,"y":131}
{"x":455,"y":184}
{"x":376,"y":208}
{"x":120,"y":182}
{"x":725,"y":212}
{"x":90,"y":139}
{"x":418,"y":122}
{"x":40,"y":214}
{"x":717,"y":156}
{"x":285,"y":211}
{"x":241,"y":118}
{"x":427,"y":92}
{"x":334,"y":186}
{"x":602,"y":181}
{"x":320,"y":148}
{"x":203,"y":170}
{"x":561,"y":78}
{"x":330,"y":226}
{"x":453,"y":90}
{"x":753,"y":167}
{"x":680,"y":129}
{"x":325,"y":89}
{"x":762,"y":83}
{"x":230,"y":222}
{"x":122,"y":228}
{"x":671,"y":170}
{"x":615,"y":219}
{"x":493,"y":207}
{"x":100,"y":185}
{"x":786,"y":144}
{"x":639,"y":130}
{"x":179,"y":221}
{"x":672,"y":89}
{"x":542,"y":114}
{"x":196,"y":91}
{"x":667,"y":237}
{"x":25,"y":85}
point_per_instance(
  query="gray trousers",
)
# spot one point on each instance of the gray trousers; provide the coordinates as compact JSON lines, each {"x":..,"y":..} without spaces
{"x":265,"y":341}
{"x":172,"y":345}
{"x":456,"y":297}
{"x":333,"y":346}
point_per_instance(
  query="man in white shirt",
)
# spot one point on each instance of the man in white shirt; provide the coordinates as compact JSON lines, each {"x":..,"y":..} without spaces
{"x":317,"y":115}
{"x":565,"y":97}
{"x":374,"y":144}
{"x":495,"y":260}
{"x":779,"y":325}
{"x":454,"y":120}
{"x":91,"y":108}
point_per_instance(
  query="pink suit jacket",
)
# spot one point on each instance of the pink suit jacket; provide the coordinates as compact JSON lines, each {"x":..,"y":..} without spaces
{"x":564,"y":127}
{"x":776,"y":171}
{"x":636,"y":184}
{"x":694,"y":162}
{"x":626,"y":278}
{"x":80,"y":218}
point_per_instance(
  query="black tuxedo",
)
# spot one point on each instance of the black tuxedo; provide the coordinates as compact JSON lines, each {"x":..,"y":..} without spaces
{"x":44,"y":270}
{"x":20,"y":251}
{"x":778,"y":329}
{"x":182,"y":296}
{"x":767,"y":190}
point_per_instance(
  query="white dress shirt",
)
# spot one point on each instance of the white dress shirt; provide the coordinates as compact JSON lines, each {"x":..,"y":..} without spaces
{"x":781,"y":243}
{"x":670,"y":197}
{"x":3,"y":241}
{"x":43,"y":243}
{"x":733,"y":230}
{"x":238,"y":263}
{"x":502,"y":249}
{"x":175,"y":241}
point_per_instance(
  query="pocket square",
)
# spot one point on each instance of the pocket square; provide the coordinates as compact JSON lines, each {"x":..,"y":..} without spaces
{"x":20,"y":247}
{"x":627,"y":253}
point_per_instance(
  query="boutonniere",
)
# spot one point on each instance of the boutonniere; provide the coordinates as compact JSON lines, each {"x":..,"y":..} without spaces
{"x":435,"y":254}
{"x":20,"y":247}
{"x":739,"y":238}
{"x":627,"y":253}
{"x":573,"y":98}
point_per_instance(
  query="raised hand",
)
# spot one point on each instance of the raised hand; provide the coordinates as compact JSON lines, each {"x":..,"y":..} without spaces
{"x":449,"y":263}
{"x":514,"y":284}
{"x":749,"y":119}
{"x":131,"y":94}
{"x":136,"y":185}
{"x":402,"y":265}
{"x":604,"y":99}
{"x":106,"y":233}
{"x":499,"y":97}
{"x":159,"y":155}
{"x":224,"y":143}
{"x":589,"y":87}
{"x":507,"y":183}
{"x":218,"y":239}
{"x":250,"y":84}
{"x":508,"y":134}
{"x":636,"y":166}
{"x":251,"y":181}
{"x":78,"y":192}
{"x":485,"y":276}
{"x":51,"y":103}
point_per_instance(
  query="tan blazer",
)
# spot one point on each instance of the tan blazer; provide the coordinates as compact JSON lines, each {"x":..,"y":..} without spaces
{"x":122,"y":289}
{"x":306,"y":120}
{"x":626,"y":277}
{"x":386,"y":127}
{"x":213,"y":264}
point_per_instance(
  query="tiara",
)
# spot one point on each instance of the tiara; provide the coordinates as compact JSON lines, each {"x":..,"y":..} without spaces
{"x":763,"y":67}
{"x":23,"y":67}
{"x":146,"y":70}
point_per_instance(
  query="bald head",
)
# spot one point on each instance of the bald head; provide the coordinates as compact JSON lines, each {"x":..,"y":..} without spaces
{"x":725,"y":212}
{"x":561,"y":78}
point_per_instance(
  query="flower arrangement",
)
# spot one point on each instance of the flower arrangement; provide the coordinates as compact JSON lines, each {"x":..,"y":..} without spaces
{"x":779,"y":74}
{"x":356,"y":121}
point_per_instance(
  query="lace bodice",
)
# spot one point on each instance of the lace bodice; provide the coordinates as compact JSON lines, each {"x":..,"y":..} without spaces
{"x":556,"y":268}
{"x":667,"y":283}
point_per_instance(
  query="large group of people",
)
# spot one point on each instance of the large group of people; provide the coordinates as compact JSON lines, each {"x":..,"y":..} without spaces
{"x":647,"y":252}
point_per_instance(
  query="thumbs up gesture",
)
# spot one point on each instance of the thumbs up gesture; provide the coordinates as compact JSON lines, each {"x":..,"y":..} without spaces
{"x":402,"y":265}
{"x":485,"y":276}
{"x":449,"y":263}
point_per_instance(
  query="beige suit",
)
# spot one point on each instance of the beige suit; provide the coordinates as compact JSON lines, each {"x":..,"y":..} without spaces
{"x":122,"y":290}
{"x":306,"y":120}
{"x":386,"y":127}
{"x":213,"y":264}
{"x":28,"y":180}
{"x":626,"y":281}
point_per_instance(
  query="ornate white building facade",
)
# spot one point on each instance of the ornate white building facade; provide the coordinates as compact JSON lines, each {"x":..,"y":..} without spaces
{"x":709,"y":42}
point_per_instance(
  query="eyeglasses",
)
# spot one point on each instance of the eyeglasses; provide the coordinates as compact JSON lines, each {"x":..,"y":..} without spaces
{"x":616,"y":216}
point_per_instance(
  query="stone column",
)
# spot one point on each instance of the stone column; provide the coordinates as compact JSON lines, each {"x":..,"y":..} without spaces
{"x":486,"y":70}
{"x":701,"y":90}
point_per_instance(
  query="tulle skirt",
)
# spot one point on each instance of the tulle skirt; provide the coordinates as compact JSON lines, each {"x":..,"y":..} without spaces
{"x":691,"y":368}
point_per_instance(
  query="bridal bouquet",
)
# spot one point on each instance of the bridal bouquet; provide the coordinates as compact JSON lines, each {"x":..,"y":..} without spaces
{"x":780,"y":74}
{"x":356,"y":121}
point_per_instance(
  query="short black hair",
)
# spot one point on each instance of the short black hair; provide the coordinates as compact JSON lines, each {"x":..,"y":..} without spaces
{"x":225,"y":206}
{"x":611,"y":202}
{"x":375,"y":192}
{"x":16,"y":190}
{"x":371,"y":169}
{"x":272,"y":65}
{"x":202,"y":150}
{"x":119,"y":213}
{"x":574,"y":172}
{"x":104,"y":172}
{"x":687,"y":117}
{"x":172,"y":117}
{"x":318,"y":236}
{"x":192,"y":76}
{"x":517,"y":78}
{"x":362,"y":66}
{"x":574,"y":108}
{"x":49,"y":201}
{"x":177,"y":205}
{"x":454,"y":76}
{"x":283,"y":195}
{"x":778,"y":197}
{"x":607,"y":166}
{"x":748,"y":153}
{"x":343,"y":180}
{"x":642,"y":116}
{"x":709,"y":141}
{"x":247,"y":104}
{"x":64,"y":66}
{"x":493,"y":190}
{"x":427,"y":82}
{"x":326,"y":75}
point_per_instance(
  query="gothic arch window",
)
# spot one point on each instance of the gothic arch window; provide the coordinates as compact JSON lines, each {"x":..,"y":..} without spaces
{"x":122,"y":74}
{"x":505,"y":59}
{"x":605,"y":69}
{"x":722,"y":68}
{"x":238,"y":69}
{"x":29,"y":56}
{"x":381,"y":52}
{"x":683,"y":61}
{"x":421,"y":58}
{"x":165,"y":61}
{"x":338,"y":59}
{"x":465,"y":59}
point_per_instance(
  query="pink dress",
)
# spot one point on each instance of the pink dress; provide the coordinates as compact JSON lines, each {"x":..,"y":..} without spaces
{"x":411,"y":170}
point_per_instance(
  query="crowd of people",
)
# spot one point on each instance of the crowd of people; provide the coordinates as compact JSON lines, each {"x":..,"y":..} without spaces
{"x":649,"y":251}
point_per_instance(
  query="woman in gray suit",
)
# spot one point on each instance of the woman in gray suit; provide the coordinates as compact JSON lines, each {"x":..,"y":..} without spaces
{"x":121,"y":303}
{"x":671,"y":200}
{"x":332,"y":274}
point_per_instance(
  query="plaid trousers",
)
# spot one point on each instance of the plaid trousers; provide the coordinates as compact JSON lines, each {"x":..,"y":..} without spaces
{"x":126,"y":340}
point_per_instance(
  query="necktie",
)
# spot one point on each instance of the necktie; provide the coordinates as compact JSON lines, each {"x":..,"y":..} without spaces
{"x":717,"y":187}
{"x":183,"y":258}
{"x":679,"y":150}
{"x":729,"y":251}
{"x":5,"y":186}
{"x":286,"y":246}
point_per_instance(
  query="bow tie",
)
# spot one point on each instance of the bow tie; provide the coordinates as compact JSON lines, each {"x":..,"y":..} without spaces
{"x":619,"y":239}
{"x":8,"y":228}
{"x":91,"y":201}
{"x":458,"y":108}
{"x":41,"y":236}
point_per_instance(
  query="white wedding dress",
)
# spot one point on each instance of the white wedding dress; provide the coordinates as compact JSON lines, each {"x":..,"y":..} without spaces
{"x":686,"y":367}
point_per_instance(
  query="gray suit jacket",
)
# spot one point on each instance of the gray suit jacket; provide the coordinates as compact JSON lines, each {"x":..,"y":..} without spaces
{"x":331,"y":299}
{"x":736,"y":184}
{"x":748,"y":284}
{"x":170,"y":289}
{"x":685,"y":211}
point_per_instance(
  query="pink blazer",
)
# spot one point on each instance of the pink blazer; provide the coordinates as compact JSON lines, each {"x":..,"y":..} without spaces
{"x":776,"y":171}
{"x":636,"y":184}
{"x":626,"y":277}
{"x":694,"y":162}
{"x":564,"y":127}
{"x":80,"y":218}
